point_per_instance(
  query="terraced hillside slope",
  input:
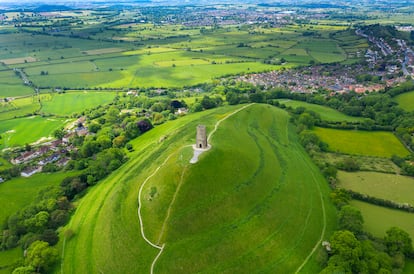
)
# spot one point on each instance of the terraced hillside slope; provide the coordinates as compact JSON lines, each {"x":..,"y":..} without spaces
{"x":253,"y":203}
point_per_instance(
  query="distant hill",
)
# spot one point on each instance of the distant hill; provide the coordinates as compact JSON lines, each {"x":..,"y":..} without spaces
{"x":47,"y":8}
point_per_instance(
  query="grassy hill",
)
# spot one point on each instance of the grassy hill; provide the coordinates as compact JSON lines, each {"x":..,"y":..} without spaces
{"x":253,"y":203}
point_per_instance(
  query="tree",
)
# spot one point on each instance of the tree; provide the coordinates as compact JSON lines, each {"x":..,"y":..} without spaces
{"x":24,"y":270}
{"x":208,"y":103}
{"x":59,"y":133}
{"x":349,"y":164}
{"x":41,"y":256}
{"x":144,"y":125}
{"x":346,"y":251}
{"x":350,"y":219}
{"x":398,"y":241}
{"x":307,"y":119}
{"x":37,"y":222}
{"x":119,"y":141}
{"x":340,"y":197}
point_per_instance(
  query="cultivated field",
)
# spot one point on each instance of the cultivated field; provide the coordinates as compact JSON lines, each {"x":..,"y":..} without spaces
{"x":406,"y":101}
{"x":391,"y":187}
{"x":369,"y":143}
{"x":326,"y":113}
{"x":379,"y":219}
{"x":214,"y":216}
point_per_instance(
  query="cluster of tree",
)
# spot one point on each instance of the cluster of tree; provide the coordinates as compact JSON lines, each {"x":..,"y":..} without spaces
{"x":206,"y":103}
{"x":38,"y":221}
{"x":40,"y":257}
{"x":354,"y":251}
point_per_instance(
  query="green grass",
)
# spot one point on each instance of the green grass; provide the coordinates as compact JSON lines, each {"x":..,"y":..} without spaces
{"x":377,"y":219}
{"x":369,"y":143}
{"x":74,"y":102}
{"x":391,"y":187}
{"x":326,"y":113}
{"x":406,"y":101}
{"x":8,"y":258}
{"x":242,"y":207}
{"x":20,"y":131}
{"x":409,"y":266}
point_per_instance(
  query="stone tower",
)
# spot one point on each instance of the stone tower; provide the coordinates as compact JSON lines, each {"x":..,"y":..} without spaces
{"x":201,"y":139}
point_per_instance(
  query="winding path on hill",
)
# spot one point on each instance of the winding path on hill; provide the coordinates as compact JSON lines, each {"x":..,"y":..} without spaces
{"x":317,"y":245}
{"x":158,"y":246}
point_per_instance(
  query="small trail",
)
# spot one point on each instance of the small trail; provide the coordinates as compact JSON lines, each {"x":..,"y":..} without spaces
{"x":158,"y":246}
{"x":167,"y":217}
{"x":140,"y":204}
{"x":221,"y":120}
{"x":324,"y":223}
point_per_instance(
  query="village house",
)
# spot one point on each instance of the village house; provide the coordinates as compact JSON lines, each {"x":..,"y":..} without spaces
{"x":30,"y":171}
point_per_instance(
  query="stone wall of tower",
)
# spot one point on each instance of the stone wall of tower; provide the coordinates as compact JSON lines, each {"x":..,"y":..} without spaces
{"x":201,"y":139}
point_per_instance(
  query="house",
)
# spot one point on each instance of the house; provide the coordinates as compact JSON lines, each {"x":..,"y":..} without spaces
{"x":25,"y":157}
{"x":53,"y":158}
{"x":181,"y":111}
{"x":30,"y":171}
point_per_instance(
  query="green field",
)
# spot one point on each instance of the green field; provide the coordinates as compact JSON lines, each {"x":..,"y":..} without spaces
{"x":406,"y":100}
{"x":326,"y":113}
{"x":370,"y":143}
{"x":8,"y":258}
{"x":391,"y":187}
{"x":379,"y":219}
{"x":243,"y":207}
{"x":12,"y":86}
{"x":19,"y":107}
{"x":18,"y":132}
{"x":74,"y":102}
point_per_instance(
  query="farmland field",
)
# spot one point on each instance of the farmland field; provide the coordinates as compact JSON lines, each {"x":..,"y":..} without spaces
{"x":74,"y":102}
{"x":19,"y":107}
{"x":375,"y":143}
{"x":168,"y":56}
{"x":237,"y":228}
{"x":27,"y":130}
{"x":379,"y":219}
{"x":391,"y":187}
{"x":326,"y":113}
{"x":406,"y":101}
